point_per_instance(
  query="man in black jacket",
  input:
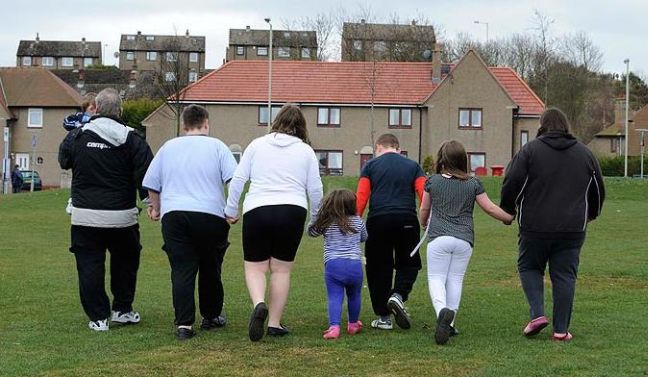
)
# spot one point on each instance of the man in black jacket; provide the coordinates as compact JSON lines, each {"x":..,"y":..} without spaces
{"x":554,"y":184}
{"x":108,"y":162}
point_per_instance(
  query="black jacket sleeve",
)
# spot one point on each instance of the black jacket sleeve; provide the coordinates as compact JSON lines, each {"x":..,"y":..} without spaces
{"x":141,"y":157}
{"x":514,"y":181}
{"x":596,"y":192}
{"x":66,"y":149}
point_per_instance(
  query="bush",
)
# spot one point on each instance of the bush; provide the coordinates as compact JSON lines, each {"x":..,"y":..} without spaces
{"x":428,"y":164}
{"x":135,"y":111}
{"x":615,"y":166}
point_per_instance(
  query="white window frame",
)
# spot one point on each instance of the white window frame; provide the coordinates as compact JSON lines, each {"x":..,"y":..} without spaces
{"x":67,"y":59}
{"x":47,"y":61}
{"x":130,"y":37}
{"x":150,"y":37}
{"x":193,"y":57}
{"x":31,"y":112}
{"x":240,"y":50}
{"x":306,"y":53}
{"x":262,"y":51}
{"x":263,"y":114}
{"x":193,"y":76}
{"x":26,"y":61}
{"x":151,"y":56}
{"x":326,"y":116}
{"x":283,"y":52}
{"x":87,"y":62}
{"x":171,"y":56}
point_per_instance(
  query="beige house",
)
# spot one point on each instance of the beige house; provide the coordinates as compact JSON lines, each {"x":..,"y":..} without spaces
{"x":610,"y":142}
{"x":348,"y":104}
{"x":58,"y":54}
{"x":387,"y":42}
{"x":250,"y":44}
{"x":33,"y":103}
{"x":166,"y":54}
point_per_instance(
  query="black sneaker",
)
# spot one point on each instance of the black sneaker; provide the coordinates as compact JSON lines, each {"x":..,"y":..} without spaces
{"x":183,"y":333}
{"x":278,"y":331}
{"x":453,"y":331}
{"x":444,"y":329}
{"x":257,"y":321}
{"x":208,"y":324}
{"x":396,"y":306}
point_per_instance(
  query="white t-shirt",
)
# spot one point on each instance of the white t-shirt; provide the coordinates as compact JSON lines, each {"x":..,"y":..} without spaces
{"x":190,"y":173}
{"x":282,"y":169}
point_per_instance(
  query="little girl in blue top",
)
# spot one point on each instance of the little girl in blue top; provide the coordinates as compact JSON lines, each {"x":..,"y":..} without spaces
{"x":343,"y":232}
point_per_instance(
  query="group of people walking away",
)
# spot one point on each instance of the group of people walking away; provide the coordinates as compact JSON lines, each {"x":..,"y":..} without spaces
{"x":553,"y":185}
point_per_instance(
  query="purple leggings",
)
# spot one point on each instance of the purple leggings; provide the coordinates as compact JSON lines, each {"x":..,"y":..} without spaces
{"x":340,"y":275}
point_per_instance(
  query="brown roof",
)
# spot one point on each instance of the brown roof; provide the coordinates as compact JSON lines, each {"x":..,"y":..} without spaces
{"x":280,"y":38}
{"x":186,"y":43}
{"x":388,"y":32}
{"x":24,"y":87}
{"x":612,"y":130}
{"x":59,"y":48}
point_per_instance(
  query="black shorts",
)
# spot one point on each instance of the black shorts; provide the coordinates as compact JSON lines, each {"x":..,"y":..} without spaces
{"x":273,"y":232}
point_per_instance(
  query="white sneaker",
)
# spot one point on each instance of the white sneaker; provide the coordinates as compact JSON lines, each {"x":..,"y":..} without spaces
{"x":382,"y":324}
{"x":125,"y":318}
{"x":100,"y":325}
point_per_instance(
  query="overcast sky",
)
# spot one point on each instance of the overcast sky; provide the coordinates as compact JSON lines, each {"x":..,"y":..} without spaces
{"x":617,"y":27}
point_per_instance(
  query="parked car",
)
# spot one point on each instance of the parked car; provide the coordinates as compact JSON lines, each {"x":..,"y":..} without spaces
{"x":27,"y":178}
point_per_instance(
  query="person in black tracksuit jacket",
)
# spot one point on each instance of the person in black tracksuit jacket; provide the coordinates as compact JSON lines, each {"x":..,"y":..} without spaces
{"x":554,"y":183}
{"x":108,"y":162}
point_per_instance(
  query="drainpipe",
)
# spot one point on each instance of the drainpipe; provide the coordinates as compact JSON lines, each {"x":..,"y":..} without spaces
{"x":420,"y":145}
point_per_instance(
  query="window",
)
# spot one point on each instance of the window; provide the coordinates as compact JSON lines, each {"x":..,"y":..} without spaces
{"x":130,"y":55}
{"x":400,"y":118}
{"x":263,"y":114}
{"x":169,"y":76}
{"x":380,"y":46}
{"x":193,"y":57}
{"x":48,"y":61}
{"x":328,"y":117}
{"x":193,"y":76}
{"x":614,"y":145}
{"x":150,"y":37}
{"x":330,"y":162}
{"x":87,"y":62}
{"x":237,"y":152}
{"x":151,"y":55}
{"x":357,"y":45}
{"x":524,"y":138}
{"x":172,"y":56}
{"x":262,"y":51}
{"x":240,"y":50}
{"x":67,"y":62}
{"x":35,"y":118}
{"x":283,"y":52}
{"x":476,"y":160}
{"x":26,"y":60}
{"x":305,"y":53}
{"x":470,"y":118}
{"x":130,"y":37}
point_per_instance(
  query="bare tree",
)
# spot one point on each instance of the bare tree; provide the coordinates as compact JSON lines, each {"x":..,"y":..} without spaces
{"x":544,"y":50}
{"x":579,"y":50}
{"x":173,"y":77}
{"x":518,"y":54}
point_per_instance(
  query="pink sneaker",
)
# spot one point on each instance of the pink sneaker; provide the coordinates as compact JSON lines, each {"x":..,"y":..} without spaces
{"x":535,"y":326}
{"x":354,"y":328}
{"x":566,"y":337}
{"x":333,"y":332}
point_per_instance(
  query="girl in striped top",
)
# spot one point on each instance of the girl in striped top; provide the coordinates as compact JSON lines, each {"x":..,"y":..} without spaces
{"x":343,"y":232}
{"x":447,"y":210}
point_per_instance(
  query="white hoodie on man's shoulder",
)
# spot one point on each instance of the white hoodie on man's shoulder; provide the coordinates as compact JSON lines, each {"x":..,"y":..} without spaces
{"x":282,"y":169}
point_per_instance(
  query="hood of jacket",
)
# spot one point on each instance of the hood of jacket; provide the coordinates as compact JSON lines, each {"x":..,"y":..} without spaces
{"x":281,"y":139}
{"x":558,"y":140}
{"x":108,"y":129}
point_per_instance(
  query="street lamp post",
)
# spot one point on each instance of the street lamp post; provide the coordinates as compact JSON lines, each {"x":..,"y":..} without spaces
{"x":269,"y":76}
{"x":643,"y":149}
{"x":483,"y":23}
{"x":627,"y":113}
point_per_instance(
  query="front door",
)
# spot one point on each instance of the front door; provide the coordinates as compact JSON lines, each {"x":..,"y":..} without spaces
{"x":22,"y":160}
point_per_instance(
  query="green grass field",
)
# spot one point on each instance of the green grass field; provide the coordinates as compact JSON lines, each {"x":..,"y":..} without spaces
{"x":43,"y":330}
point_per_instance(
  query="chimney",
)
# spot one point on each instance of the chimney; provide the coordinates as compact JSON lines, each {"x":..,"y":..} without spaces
{"x":436,"y":63}
{"x":187,"y":33}
{"x":247,"y":28}
{"x":619,"y":113}
{"x":362,"y":21}
{"x":139,"y":33}
{"x":37,"y":37}
{"x":413,"y":22}
{"x":83,"y":39}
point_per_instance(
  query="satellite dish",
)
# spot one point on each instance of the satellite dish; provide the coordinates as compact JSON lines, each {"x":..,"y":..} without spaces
{"x":116,"y":55}
{"x":427,"y":54}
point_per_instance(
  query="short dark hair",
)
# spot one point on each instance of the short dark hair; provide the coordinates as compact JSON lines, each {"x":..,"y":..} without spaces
{"x":452,"y":159}
{"x":388,"y":141}
{"x":193,"y":116}
{"x":553,"y":120}
{"x":290,"y":120}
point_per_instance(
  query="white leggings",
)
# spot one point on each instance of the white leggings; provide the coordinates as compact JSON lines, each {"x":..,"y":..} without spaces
{"x":447,"y":260}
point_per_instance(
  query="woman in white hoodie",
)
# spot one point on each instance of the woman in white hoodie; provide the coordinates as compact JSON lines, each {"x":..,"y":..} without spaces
{"x":284,"y":175}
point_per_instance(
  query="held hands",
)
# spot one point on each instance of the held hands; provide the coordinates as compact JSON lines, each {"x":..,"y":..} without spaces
{"x":508,"y":220}
{"x":231,"y":220}
{"x":153,"y":214}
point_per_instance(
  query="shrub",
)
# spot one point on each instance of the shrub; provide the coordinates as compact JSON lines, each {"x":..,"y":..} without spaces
{"x":428,"y":164}
{"x":614,"y":166}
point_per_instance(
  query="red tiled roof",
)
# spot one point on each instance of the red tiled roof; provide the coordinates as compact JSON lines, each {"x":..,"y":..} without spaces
{"x":337,"y":82}
{"x":520,"y":92}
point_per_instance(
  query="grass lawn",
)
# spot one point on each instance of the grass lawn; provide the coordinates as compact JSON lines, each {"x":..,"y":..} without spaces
{"x":44,"y":331}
